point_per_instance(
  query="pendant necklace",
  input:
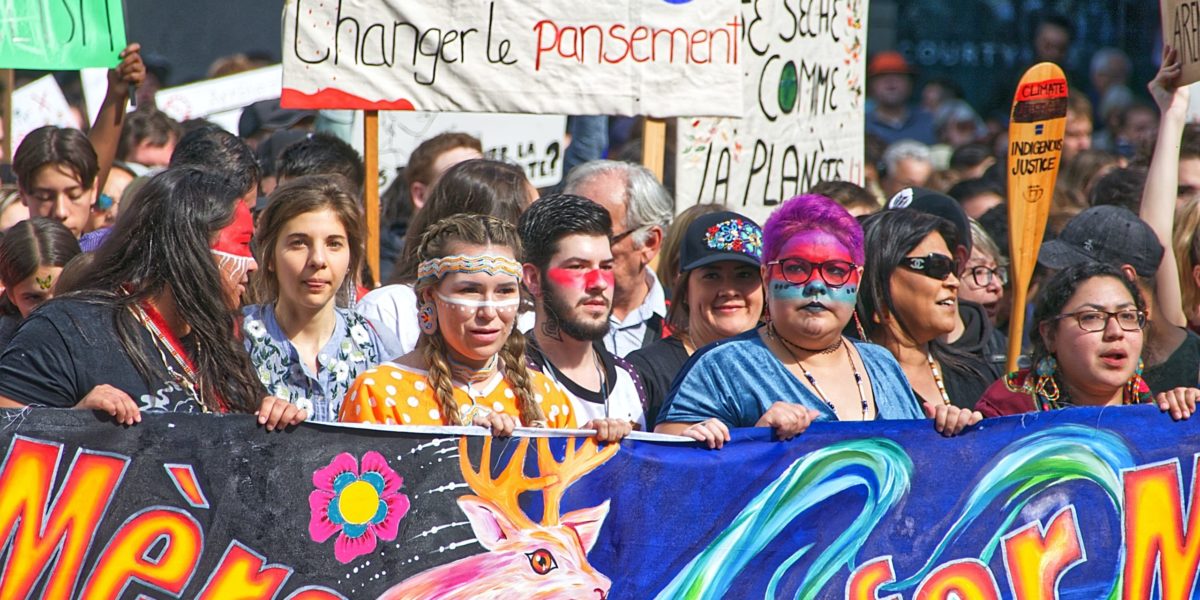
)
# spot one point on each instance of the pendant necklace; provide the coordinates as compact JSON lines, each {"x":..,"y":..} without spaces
{"x":812,"y":380}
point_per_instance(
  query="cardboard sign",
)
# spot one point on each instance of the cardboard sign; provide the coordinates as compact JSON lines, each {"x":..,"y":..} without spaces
{"x":1035,"y":138}
{"x":1076,"y":503}
{"x":38,"y":104}
{"x":1181,"y":29}
{"x":657,"y":58}
{"x":803,"y":78}
{"x":58,"y":35}
{"x":535,"y":142}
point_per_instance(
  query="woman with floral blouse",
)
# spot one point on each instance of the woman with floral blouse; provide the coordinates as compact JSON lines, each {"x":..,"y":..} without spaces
{"x":305,"y":348}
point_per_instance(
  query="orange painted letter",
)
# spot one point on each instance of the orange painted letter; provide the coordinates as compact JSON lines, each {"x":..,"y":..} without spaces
{"x":1154,"y":528}
{"x":125,"y":558}
{"x":1035,"y":560}
{"x":864,"y":583}
{"x":66,"y":529}
{"x":968,"y":579}
{"x":241,"y":575}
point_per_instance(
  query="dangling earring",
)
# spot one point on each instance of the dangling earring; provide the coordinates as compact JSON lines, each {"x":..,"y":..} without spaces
{"x":1133,"y":389}
{"x":1045,"y":386}
{"x":427,"y":318}
{"x":862,"y":333}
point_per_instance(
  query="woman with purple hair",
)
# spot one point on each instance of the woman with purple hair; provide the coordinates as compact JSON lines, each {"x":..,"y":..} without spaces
{"x":798,"y":368}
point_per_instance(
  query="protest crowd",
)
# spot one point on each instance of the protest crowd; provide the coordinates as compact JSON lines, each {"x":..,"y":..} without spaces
{"x":151,"y":266}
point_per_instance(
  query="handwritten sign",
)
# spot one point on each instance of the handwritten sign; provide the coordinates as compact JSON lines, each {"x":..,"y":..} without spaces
{"x":214,"y":97}
{"x":1181,"y":29}
{"x":803,"y":114}
{"x":58,"y":35}
{"x":535,"y":142}
{"x":38,"y":104}
{"x":630,"y":57}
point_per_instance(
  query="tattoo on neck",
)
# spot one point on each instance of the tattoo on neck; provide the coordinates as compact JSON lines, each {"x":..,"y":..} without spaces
{"x":550,"y":329}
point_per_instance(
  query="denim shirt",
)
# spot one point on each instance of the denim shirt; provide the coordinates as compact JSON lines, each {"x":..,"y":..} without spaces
{"x":353,"y":348}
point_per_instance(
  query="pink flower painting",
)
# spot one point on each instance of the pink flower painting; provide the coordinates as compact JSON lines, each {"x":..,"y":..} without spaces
{"x":359,"y":505}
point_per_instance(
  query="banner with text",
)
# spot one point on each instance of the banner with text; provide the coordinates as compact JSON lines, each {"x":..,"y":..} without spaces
{"x":61,"y":35}
{"x":659,"y":58}
{"x":1181,"y":29}
{"x":1079,"y":503}
{"x":534,"y":142}
{"x":803,"y":119}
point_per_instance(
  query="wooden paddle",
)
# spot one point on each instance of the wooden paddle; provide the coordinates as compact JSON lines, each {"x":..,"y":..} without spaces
{"x":1035,"y":136}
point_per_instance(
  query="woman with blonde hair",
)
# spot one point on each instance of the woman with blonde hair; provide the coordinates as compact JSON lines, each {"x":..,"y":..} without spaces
{"x":469,"y":366}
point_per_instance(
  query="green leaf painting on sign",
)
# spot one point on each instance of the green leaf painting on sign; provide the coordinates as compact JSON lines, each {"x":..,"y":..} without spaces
{"x":61,"y":34}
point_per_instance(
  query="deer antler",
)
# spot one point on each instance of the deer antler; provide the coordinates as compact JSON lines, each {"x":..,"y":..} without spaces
{"x":504,"y":490}
{"x":576,"y":463}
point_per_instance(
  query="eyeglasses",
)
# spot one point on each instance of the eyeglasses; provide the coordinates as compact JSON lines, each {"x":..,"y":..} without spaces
{"x":935,"y":266}
{"x":616,"y":239}
{"x":1097,"y":320}
{"x":799,"y":271}
{"x":983,"y":276}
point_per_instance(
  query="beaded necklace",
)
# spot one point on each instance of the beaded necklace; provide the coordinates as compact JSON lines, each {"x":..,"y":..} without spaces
{"x":812,"y":380}
{"x":937,"y":378}
{"x":165,"y":343}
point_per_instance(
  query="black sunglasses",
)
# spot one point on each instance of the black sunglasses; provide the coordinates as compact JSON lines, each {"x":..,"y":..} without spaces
{"x":935,"y":266}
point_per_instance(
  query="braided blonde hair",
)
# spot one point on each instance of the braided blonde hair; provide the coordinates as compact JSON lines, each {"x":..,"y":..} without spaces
{"x":479,"y":230}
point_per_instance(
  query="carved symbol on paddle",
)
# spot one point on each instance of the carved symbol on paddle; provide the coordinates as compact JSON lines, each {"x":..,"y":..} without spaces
{"x":1034,"y":193}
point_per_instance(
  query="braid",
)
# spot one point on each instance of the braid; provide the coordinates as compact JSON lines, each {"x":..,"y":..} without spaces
{"x":433,"y":349}
{"x":517,"y":373}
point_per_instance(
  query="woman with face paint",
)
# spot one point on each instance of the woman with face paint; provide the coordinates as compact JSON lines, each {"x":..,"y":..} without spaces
{"x":307,"y":349}
{"x":469,"y":366}
{"x":909,"y":302}
{"x":148,"y":333}
{"x":798,"y":368}
{"x":1089,"y":322}
{"x":32,"y":255}
{"x":718,"y":293}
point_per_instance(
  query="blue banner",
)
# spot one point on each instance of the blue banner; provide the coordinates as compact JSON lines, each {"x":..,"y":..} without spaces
{"x":1082,"y":503}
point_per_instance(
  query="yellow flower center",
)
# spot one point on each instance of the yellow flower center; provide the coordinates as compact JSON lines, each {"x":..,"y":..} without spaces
{"x":358,"y":502}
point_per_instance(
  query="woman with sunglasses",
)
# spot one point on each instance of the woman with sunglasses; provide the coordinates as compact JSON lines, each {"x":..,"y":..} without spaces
{"x":798,"y":368}
{"x":1087,"y":349}
{"x":909,"y":302}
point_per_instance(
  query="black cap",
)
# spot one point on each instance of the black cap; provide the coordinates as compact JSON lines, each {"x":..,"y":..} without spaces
{"x":938,"y":205}
{"x":1112,"y":235}
{"x":721,"y":236}
{"x":268,"y":115}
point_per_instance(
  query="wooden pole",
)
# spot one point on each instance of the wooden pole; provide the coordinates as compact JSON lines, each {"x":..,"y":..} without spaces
{"x":1035,"y":133}
{"x":654,"y":146}
{"x":9,"y":81}
{"x":371,"y":189}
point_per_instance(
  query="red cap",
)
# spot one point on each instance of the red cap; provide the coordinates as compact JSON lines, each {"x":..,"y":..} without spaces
{"x":889,"y":62}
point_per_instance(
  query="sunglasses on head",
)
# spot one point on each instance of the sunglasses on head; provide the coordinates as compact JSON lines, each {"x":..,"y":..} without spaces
{"x":935,"y":266}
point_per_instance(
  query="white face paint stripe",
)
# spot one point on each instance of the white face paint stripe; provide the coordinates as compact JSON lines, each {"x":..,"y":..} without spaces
{"x":496,"y":304}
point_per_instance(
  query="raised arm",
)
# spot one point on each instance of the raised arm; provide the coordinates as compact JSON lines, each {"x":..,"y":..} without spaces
{"x":1162,"y":180}
{"x":106,"y":131}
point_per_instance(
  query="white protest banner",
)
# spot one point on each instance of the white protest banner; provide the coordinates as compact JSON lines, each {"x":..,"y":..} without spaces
{"x":534,"y":142}
{"x":229,"y":94}
{"x":38,"y":104}
{"x":658,"y":58}
{"x":803,"y":124}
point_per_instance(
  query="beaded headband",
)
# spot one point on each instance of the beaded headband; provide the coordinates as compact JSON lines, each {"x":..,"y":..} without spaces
{"x":436,"y":268}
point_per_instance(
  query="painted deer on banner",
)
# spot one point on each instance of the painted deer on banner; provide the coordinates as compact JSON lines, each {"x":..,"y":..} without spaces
{"x":524,"y":559}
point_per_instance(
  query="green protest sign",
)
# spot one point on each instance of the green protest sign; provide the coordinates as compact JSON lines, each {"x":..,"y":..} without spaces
{"x":57,"y":34}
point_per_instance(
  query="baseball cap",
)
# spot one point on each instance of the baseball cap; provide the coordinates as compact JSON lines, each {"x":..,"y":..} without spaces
{"x":1106,"y":234}
{"x":721,"y":236}
{"x":938,"y":205}
{"x":889,"y":62}
{"x":268,"y":115}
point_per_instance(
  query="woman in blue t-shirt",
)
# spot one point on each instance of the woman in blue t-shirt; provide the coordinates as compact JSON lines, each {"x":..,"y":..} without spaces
{"x":799,"y":368}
